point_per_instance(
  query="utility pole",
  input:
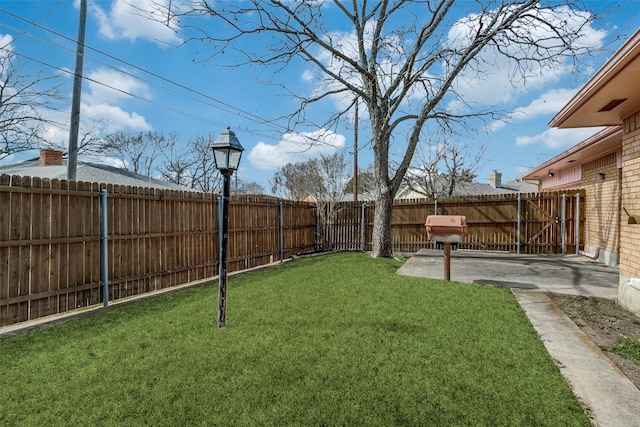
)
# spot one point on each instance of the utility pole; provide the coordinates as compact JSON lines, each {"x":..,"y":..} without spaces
{"x":74,"y":126}
{"x":355,"y":155}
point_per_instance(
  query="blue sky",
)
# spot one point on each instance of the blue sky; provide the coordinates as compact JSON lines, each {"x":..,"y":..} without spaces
{"x":184,"y":92}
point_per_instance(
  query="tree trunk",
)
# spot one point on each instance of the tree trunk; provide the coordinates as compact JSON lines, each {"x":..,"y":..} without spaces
{"x":382,"y":225}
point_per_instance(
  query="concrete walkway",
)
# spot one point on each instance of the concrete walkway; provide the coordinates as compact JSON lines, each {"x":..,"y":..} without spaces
{"x":567,"y":274}
{"x":609,"y":397}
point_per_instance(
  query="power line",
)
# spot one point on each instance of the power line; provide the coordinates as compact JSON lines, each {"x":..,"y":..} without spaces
{"x":261,"y":120}
{"x":24,"y":32}
{"x":127,"y":73}
{"x":235,"y":110}
{"x":118,"y":90}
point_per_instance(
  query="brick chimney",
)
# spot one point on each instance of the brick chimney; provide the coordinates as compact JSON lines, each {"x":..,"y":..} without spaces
{"x":495,"y":179}
{"x":50,"y":157}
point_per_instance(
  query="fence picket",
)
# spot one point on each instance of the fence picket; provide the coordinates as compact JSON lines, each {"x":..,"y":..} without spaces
{"x":50,"y":248}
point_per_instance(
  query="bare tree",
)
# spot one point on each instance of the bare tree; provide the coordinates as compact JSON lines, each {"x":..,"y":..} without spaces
{"x":175,"y":165}
{"x":322,"y":179}
{"x":366,"y":183}
{"x":439,"y":168}
{"x":400,"y":58}
{"x":24,"y":101}
{"x":243,"y":186}
{"x":297,"y":181}
{"x":204,"y":175}
{"x":138,"y":152}
{"x":159,"y":155}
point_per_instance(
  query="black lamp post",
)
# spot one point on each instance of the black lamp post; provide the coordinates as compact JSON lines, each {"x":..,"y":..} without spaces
{"x":226,"y":154}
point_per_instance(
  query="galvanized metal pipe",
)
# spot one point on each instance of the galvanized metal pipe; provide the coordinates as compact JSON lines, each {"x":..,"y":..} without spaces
{"x":362,"y":229}
{"x":577,"y":223}
{"x":281,"y":234}
{"x":104,"y":248}
{"x":564,"y":224}
{"x":519,"y":222}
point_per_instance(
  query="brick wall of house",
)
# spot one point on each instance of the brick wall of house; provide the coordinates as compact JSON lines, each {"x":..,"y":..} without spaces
{"x":629,"y":291}
{"x":601,"y":182}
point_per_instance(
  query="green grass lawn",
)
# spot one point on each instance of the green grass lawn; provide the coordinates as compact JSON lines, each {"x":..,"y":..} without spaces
{"x":331,"y":340}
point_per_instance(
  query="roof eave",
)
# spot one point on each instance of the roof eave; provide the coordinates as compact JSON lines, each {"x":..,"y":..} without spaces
{"x":605,"y":133}
{"x":629,"y":51}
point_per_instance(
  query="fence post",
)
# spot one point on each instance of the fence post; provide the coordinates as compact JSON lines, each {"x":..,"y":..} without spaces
{"x":362,"y":230}
{"x":104,"y":246}
{"x":281,"y":234}
{"x":317,"y":228}
{"x":577,"y":225}
{"x":519,"y":222}
{"x":564,"y":224}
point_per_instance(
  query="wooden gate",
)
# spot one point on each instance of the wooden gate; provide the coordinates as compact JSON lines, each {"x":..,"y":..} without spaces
{"x":544,"y":223}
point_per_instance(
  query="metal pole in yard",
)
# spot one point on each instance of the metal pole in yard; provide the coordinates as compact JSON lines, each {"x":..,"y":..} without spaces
{"x":564,"y":224}
{"x":362,"y":228}
{"x":222,"y":283}
{"x":519,"y":214}
{"x":281,"y":234}
{"x":104,"y":249}
{"x":219,"y":212}
{"x":317,"y":229}
{"x":227,"y":152}
{"x":577,"y":219}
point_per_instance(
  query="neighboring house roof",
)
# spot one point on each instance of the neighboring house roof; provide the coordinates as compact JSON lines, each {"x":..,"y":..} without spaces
{"x":346,"y":197}
{"x":495,"y":186}
{"x":476,"y":189}
{"x":88,"y":172}
{"x":610,"y":95}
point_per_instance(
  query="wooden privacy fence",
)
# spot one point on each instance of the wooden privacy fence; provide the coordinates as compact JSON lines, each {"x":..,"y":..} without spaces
{"x":545,"y":223}
{"x":50,"y":241}
{"x":51,"y":238}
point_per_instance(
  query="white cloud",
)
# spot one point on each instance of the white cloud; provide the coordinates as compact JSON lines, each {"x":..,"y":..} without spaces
{"x":5,"y":44}
{"x":494,"y":79}
{"x":548,"y":103}
{"x":295,"y":147}
{"x":499,"y":80}
{"x":117,"y":118}
{"x":558,"y":138}
{"x":138,"y":19}
{"x":103,"y":160}
{"x":99,"y":93}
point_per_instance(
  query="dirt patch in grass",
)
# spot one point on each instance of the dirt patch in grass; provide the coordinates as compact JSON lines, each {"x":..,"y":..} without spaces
{"x":605,"y":323}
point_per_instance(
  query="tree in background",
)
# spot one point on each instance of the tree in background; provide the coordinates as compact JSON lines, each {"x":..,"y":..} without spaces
{"x":154,"y":154}
{"x":243,"y":186}
{"x":366,"y":184}
{"x":400,"y":58}
{"x":322,"y":180}
{"x":175,"y":165}
{"x":439,"y":168}
{"x":24,"y":101}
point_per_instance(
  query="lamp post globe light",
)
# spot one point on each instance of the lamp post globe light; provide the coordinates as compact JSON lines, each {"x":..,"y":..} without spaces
{"x":226,"y":154}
